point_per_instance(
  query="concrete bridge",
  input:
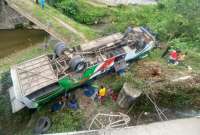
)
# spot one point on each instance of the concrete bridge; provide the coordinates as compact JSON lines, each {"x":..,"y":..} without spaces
{"x":48,"y":19}
{"x":9,"y":18}
{"x":189,"y":126}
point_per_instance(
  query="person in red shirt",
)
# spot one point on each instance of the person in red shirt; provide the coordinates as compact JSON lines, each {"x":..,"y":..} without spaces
{"x":173,"y":56}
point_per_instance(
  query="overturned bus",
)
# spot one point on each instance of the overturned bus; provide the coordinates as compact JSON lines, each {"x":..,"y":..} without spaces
{"x":40,"y":79}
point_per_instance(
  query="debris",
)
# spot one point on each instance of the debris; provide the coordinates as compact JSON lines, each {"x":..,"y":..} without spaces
{"x":182,"y":78}
{"x":160,"y":113}
{"x":107,"y":121}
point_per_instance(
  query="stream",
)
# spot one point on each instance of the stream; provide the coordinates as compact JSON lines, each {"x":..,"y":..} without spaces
{"x":12,"y":41}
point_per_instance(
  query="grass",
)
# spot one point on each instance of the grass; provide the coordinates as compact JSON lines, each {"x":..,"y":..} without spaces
{"x":11,"y":121}
{"x":47,"y":17}
{"x":88,"y":32}
{"x":67,"y":121}
{"x":77,"y":11}
{"x":20,"y":56}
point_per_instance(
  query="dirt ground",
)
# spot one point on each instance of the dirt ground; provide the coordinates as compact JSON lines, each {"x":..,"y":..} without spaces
{"x":168,"y":85}
{"x":91,"y":107}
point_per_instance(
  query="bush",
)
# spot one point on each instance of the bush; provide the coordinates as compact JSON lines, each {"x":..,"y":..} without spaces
{"x":68,"y":7}
{"x":67,"y":121}
{"x":81,"y":11}
{"x":6,"y":81}
{"x":117,"y":85}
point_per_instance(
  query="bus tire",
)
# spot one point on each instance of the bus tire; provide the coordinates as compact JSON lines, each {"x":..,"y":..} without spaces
{"x":77,"y":64}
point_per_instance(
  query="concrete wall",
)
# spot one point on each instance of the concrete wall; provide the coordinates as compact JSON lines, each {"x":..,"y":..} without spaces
{"x":9,"y":18}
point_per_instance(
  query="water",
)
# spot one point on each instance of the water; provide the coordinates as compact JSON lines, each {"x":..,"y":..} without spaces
{"x":12,"y":41}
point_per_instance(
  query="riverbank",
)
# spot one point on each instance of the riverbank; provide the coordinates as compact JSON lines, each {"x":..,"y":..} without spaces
{"x":19,"y":45}
{"x":20,"y":56}
{"x":15,"y":40}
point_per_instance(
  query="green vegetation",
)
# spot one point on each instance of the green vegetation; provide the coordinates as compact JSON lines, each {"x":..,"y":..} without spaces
{"x":174,"y":22}
{"x":21,"y":56}
{"x":170,"y":19}
{"x":81,"y":11}
{"x":6,"y":81}
{"x":179,"y":96}
{"x":10,"y":122}
{"x":111,"y":81}
{"x":87,"y":31}
{"x":66,"y":121}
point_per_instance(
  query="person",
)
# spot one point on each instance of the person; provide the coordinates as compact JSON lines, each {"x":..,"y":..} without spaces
{"x":180,"y":56}
{"x":42,"y":3}
{"x":173,"y":57}
{"x":95,"y":95}
{"x":57,"y":106}
{"x":64,"y":99}
{"x":73,"y":104}
{"x":128,"y":30}
{"x":102,"y":93}
{"x":113,"y":95}
{"x":141,"y":44}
